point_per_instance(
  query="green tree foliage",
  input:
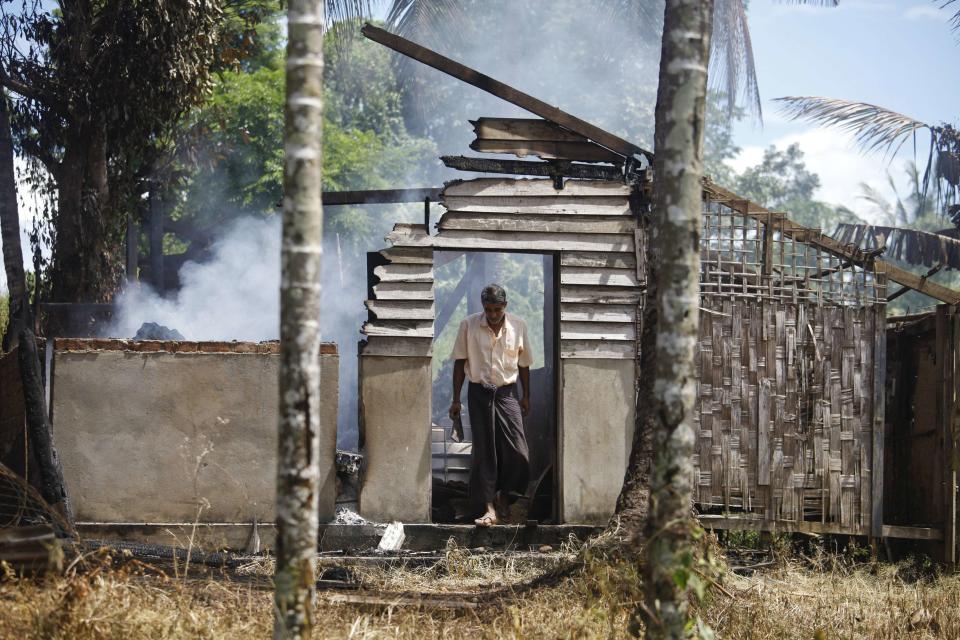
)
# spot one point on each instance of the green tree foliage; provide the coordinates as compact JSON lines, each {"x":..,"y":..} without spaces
{"x":234,"y":166}
{"x":782,"y":182}
{"x":95,"y":85}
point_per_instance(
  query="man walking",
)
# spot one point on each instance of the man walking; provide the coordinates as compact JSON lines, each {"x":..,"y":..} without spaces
{"x":491,"y":351}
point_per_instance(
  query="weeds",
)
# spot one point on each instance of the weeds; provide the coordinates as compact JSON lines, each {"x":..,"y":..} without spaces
{"x":818,"y":594}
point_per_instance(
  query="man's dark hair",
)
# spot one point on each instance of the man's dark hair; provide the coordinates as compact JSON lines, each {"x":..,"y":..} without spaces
{"x":493,"y":294}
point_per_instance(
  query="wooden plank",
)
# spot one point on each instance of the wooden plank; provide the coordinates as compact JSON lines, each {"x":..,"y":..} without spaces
{"x":403,"y":272}
{"x":954,"y":338}
{"x":879,"y":419}
{"x":548,"y":150}
{"x":502,"y":91}
{"x":404,"y":291}
{"x":910,"y":533}
{"x":399,"y":328}
{"x":752,"y":523}
{"x":598,"y":313}
{"x":522,"y":129}
{"x":597,"y":349}
{"x":408,"y":255}
{"x":816,"y":238}
{"x":595,"y":259}
{"x":640,"y":252}
{"x":397,"y":346}
{"x":401,"y":309}
{"x":516,"y":222}
{"x":763,"y":433}
{"x":529,"y":188}
{"x":598,"y":331}
{"x":945,"y":350}
{"x":555,"y":169}
{"x":599,"y":295}
{"x":379,"y":196}
{"x":555,"y":205}
{"x":518,"y":241}
{"x":598,"y":277}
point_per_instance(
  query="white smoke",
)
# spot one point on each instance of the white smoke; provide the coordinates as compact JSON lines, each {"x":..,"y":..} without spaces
{"x":233,"y":296}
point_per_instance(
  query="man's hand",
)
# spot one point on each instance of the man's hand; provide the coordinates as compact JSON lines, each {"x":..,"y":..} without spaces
{"x":525,"y":405}
{"x":455,"y":409}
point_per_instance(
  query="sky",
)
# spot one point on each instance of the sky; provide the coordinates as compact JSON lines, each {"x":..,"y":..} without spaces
{"x":900,"y":54}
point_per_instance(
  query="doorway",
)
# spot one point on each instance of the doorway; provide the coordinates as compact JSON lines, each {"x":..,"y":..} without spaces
{"x":530,"y":282}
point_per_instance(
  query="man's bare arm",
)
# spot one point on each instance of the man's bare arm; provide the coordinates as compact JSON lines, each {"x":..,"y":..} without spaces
{"x":458,"y":377}
{"x":525,"y":383}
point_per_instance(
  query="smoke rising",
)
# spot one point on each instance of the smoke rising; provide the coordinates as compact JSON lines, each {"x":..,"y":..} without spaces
{"x":233,"y":296}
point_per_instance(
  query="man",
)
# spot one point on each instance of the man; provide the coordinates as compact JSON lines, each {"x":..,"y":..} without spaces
{"x":492,"y":351}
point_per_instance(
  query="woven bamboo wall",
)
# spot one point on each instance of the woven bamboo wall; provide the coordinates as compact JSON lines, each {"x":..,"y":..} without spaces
{"x":786,"y":378}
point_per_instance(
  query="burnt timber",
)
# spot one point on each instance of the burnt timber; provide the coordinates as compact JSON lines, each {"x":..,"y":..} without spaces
{"x":504,"y":91}
{"x":551,"y":169}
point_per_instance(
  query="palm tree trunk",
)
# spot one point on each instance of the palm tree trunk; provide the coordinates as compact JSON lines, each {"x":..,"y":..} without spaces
{"x":10,"y":232}
{"x":297,"y":471}
{"x":678,"y":166}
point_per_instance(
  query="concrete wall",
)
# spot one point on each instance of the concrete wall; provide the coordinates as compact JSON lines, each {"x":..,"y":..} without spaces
{"x":144,"y":436}
{"x":395,"y":401}
{"x":598,"y":417}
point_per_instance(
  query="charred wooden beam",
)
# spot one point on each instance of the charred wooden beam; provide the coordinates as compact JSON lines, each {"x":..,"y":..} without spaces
{"x":533,"y":168}
{"x":503,"y":91}
{"x":380,"y":196}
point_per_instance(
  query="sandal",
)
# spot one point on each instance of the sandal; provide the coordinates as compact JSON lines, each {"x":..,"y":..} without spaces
{"x":485,"y":521}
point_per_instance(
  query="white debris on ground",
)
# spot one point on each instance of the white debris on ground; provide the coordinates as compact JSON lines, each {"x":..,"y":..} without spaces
{"x":393,"y":538}
{"x":349,"y":516}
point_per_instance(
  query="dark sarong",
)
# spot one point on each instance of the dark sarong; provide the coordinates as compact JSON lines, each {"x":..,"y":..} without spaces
{"x":501,"y":461}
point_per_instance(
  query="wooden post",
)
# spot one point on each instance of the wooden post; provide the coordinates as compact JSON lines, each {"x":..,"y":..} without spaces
{"x":946,"y":355}
{"x":879,"y":406}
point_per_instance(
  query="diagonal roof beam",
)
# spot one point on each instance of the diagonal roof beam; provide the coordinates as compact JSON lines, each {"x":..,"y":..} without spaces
{"x":818,"y":239}
{"x":504,"y":91}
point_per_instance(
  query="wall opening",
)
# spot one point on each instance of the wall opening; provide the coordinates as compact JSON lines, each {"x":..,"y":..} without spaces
{"x":529,"y":279}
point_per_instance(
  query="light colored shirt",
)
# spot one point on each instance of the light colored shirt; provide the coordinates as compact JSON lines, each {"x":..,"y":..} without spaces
{"x":492,"y":359}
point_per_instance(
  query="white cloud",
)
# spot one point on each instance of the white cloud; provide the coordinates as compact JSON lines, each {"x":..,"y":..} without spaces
{"x":840,"y":166}
{"x":923,"y":12}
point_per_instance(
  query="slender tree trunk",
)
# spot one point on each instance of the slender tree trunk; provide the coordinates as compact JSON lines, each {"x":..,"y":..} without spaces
{"x":297,"y":472}
{"x":10,"y":232}
{"x":681,"y":105}
{"x":86,"y":265}
{"x":20,"y":329}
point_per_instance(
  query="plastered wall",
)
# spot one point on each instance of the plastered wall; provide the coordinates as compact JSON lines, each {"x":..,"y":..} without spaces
{"x":170,"y":435}
{"x":598,"y":418}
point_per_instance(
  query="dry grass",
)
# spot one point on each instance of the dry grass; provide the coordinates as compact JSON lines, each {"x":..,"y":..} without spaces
{"x":832,"y":599}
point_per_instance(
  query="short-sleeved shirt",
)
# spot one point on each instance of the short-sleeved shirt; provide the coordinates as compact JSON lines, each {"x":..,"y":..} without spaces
{"x":492,"y":359}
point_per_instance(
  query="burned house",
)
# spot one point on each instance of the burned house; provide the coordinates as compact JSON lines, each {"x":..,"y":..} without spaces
{"x":816,"y":413}
{"x":794,"y":378}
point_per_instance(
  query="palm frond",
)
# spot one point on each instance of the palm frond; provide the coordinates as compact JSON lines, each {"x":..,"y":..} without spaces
{"x":955,"y":20}
{"x":424,"y":20}
{"x":875,"y":128}
{"x":908,"y":245}
{"x":732,"y":68}
{"x":343,"y":10}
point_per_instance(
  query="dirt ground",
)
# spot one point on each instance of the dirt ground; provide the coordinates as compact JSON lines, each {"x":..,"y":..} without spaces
{"x":476,"y":594}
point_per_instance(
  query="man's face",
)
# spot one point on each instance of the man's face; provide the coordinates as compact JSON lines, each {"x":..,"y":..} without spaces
{"x":494,"y":313}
